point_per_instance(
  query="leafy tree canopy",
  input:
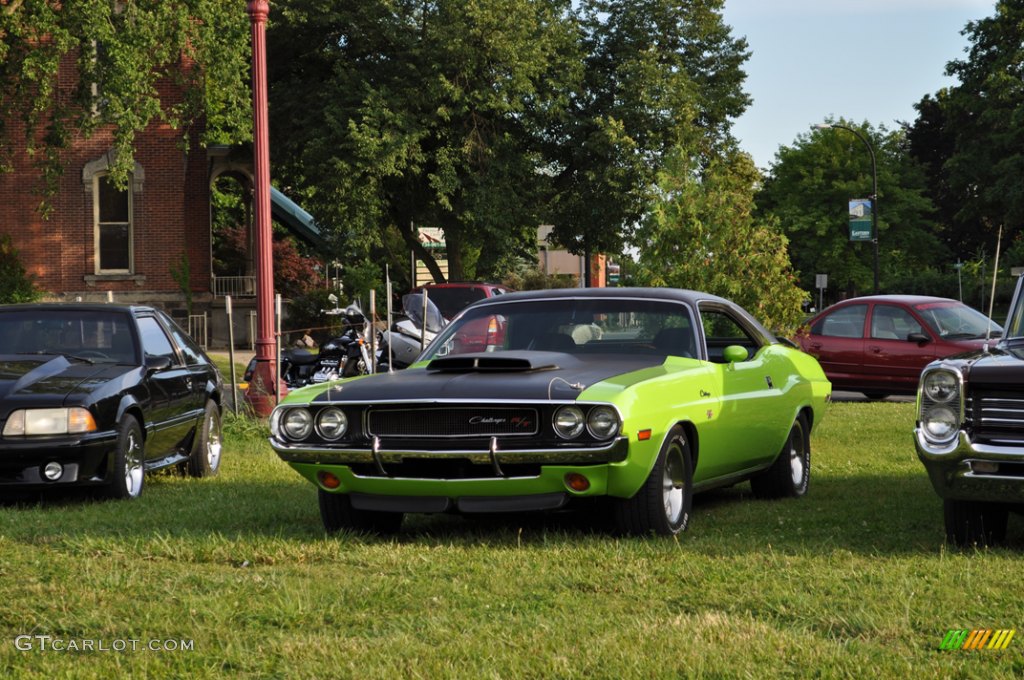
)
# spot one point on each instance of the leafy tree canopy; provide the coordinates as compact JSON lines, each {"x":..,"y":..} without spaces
{"x":115,"y":54}
{"x":971,"y":136}
{"x":808,"y":190}
{"x":492,"y":117}
{"x":702,"y":235}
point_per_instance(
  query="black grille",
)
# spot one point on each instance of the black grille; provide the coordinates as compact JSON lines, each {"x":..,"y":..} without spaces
{"x":455,"y":421}
{"x":996,"y":415}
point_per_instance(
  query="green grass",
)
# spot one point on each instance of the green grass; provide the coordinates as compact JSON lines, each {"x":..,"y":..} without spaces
{"x":852,"y":581}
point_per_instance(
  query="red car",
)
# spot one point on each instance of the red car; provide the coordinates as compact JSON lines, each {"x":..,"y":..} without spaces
{"x":878,"y":344}
{"x":452,"y":297}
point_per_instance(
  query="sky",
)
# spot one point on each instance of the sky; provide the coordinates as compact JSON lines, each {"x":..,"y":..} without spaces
{"x":862,"y":60}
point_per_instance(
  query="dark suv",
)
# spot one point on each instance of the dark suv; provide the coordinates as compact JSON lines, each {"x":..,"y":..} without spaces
{"x":452,"y":297}
{"x":970,"y":433}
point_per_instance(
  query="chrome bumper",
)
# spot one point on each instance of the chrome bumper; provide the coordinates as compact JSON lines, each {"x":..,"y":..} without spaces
{"x":614,"y":452}
{"x":955,"y":474}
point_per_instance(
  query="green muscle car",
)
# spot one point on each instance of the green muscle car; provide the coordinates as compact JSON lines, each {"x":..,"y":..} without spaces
{"x":638,"y":396}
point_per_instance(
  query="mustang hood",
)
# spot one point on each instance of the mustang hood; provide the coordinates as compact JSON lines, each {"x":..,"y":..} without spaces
{"x":53,"y":378}
{"x":487,"y":376}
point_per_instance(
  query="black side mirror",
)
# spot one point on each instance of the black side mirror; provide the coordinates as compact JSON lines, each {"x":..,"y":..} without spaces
{"x":919,"y":338}
{"x":154,"y":364}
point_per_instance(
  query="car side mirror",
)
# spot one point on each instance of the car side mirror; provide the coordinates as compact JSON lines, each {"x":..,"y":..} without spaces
{"x":919,"y":338}
{"x":154,"y":364}
{"x":734,"y":353}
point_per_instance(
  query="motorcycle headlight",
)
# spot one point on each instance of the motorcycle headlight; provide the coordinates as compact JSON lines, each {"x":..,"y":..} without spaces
{"x":296,"y":423}
{"x":44,"y":421}
{"x":603,"y":422}
{"x":569,"y":422}
{"x":332,"y":423}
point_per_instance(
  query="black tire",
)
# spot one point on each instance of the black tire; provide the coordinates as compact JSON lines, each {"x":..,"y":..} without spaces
{"x":128,"y":475}
{"x":337,"y":513}
{"x":207,"y":445}
{"x":974,"y":523}
{"x":662,"y":505}
{"x":876,"y":396}
{"x":790,"y":474}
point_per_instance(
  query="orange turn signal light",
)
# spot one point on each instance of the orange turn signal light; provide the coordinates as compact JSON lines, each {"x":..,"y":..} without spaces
{"x":328,"y":480}
{"x":643,"y":435}
{"x":577,"y":482}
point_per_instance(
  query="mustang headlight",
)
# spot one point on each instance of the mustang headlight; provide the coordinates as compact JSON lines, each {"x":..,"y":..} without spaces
{"x":569,"y":422}
{"x":603,"y":422}
{"x":296,"y":423}
{"x":43,"y":421}
{"x":332,"y":423}
{"x":940,"y":404}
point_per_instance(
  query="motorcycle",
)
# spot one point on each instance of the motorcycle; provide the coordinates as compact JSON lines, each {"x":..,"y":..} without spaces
{"x":401,"y":344}
{"x":297,"y":367}
{"x":348,"y":354}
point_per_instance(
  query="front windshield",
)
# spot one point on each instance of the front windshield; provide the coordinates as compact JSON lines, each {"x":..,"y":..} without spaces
{"x":956,"y":321}
{"x":583,"y":326}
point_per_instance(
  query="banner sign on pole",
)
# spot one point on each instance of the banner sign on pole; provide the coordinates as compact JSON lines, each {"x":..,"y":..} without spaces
{"x":860,"y":219}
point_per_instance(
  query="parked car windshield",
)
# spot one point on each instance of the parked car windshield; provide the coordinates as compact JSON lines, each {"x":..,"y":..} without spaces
{"x":578,"y":326}
{"x":957,"y":321}
{"x":95,"y":335}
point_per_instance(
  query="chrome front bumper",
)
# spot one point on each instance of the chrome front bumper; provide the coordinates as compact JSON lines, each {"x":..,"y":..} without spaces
{"x":614,"y":452}
{"x":967,"y":470}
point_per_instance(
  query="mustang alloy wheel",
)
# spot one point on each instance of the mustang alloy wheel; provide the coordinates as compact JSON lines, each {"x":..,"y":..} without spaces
{"x":662,"y":505}
{"x":974,"y":523}
{"x":204,"y":461}
{"x":128,"y":475}
{"x":337,"y":513}
{"x":790,"y":474}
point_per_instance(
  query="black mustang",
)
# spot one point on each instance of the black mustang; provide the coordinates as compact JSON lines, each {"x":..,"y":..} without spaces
{"x":100,"y":394}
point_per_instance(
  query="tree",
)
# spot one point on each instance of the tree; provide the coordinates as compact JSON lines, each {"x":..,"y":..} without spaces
{"x":808,"y":189}
{"x":659,"y":75}
{"x":71,"y":68}
{"x":971,"y":135}
{"x":702,"y":234}
{"x":424,"y":114}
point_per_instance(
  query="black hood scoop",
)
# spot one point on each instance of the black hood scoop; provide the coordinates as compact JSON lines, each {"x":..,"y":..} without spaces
{"x":505,"y":362}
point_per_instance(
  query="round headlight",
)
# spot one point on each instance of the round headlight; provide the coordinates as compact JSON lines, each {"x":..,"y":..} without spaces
{"x":569,"y":422}
{"x":297,"y":423}
{"x":603,"y":422}
{"x":940,"y":386}
{"x":331,"y":423}
{"x":941,"y":423}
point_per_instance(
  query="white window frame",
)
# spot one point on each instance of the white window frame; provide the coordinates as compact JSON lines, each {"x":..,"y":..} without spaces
{"x":97,"y":224}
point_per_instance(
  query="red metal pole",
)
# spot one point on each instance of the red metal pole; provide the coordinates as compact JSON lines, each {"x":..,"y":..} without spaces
{"x":262,"y":393}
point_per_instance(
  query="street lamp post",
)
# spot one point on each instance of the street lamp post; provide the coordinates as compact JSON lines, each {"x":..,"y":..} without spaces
{"x":874,"y":187}
{"x":263,"y":388}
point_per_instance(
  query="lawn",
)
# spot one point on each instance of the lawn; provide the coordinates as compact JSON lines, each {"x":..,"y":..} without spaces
{"x":852,"y":581}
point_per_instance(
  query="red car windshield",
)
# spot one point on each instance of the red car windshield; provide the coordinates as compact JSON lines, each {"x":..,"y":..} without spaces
{"x":451,"y":301}
{"x":957,"y":321}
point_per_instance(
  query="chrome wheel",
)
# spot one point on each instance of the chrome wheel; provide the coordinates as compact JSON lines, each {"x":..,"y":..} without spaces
{"x":133,"y":470}
{"x":208,"y":445}
{"x":673,"y":483}
{"x":213,"y":441}
{"x":797,"y":466}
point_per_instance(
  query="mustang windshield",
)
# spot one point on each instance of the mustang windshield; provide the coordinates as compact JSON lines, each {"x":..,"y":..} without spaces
{"x":577,"y":326}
